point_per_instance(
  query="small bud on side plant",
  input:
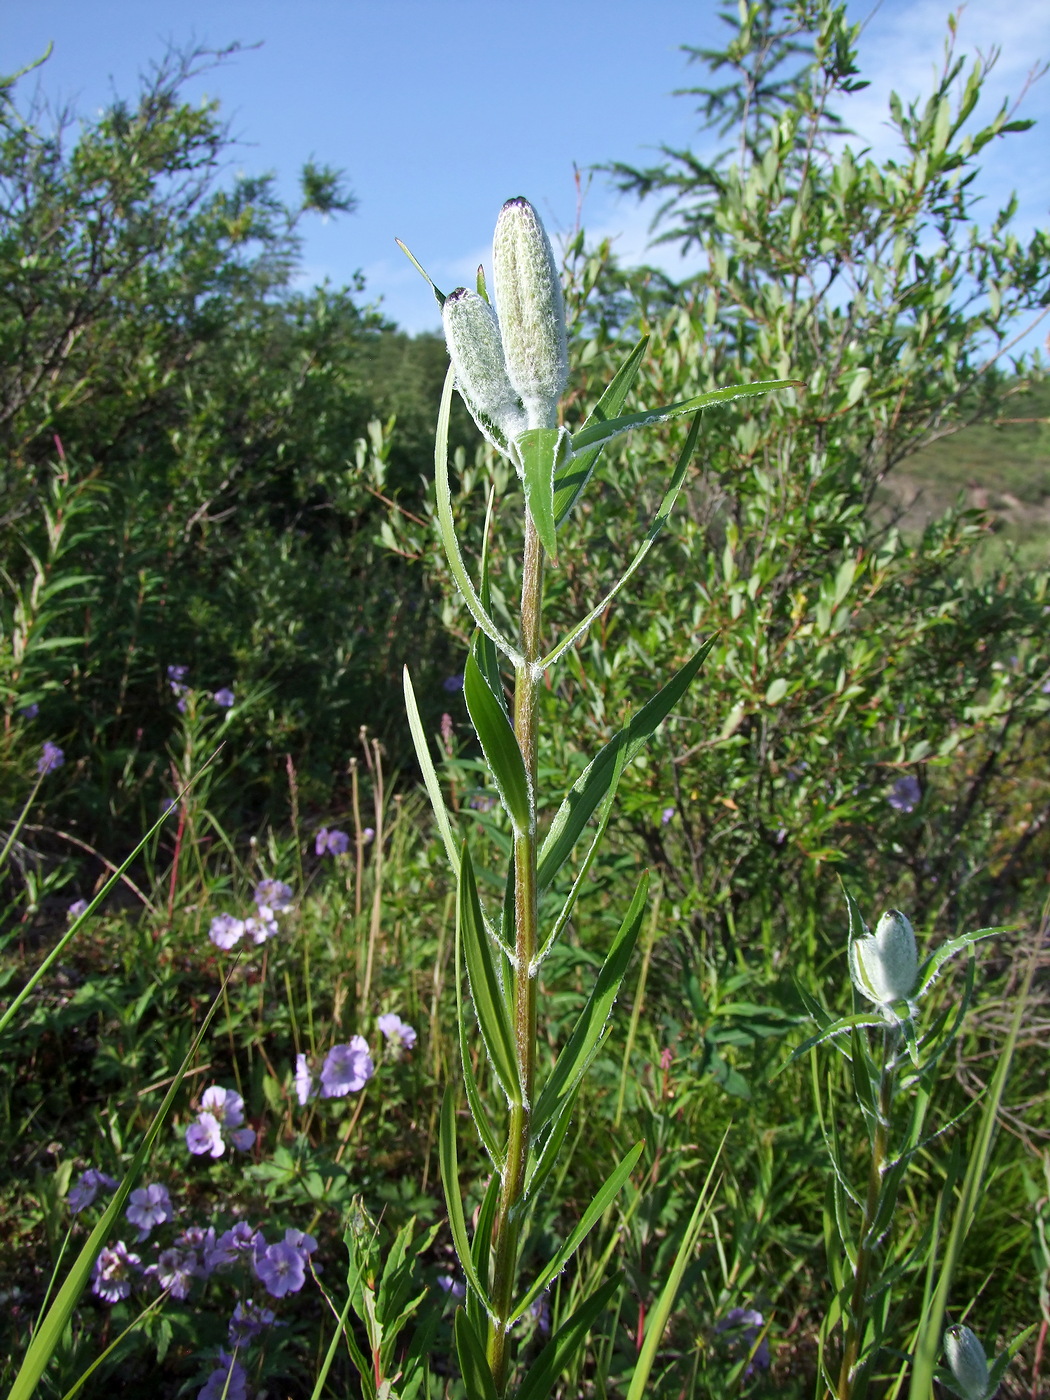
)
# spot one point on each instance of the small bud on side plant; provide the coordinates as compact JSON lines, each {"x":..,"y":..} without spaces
{"x":969,"y":1365}
{"x":531,"y":311}
{"x":885,"y":967}
{"x":474,"y":344}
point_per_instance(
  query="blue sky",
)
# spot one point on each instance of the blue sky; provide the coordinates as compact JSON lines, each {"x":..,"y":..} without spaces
{"x":438,"y":110}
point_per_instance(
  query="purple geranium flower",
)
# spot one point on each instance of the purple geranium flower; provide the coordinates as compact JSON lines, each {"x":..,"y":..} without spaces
{"x":226,"y":931}
{"x":78,"y":907}
{"x":334,"y":842}
{"x":229,"y":1381}
{"x":346,"y":1068}
{"x":248,"y":1320}
{"x":175,"y":1271}
{"x":150,"y":1205}
{"x":453,"y":683}
{"x":274,"y":895}
{"x":282,"y":1269}
{"x":219,"y":1122}
{"x":241,"y":1239}
{"x":224,"y":698}
{"x":205,"y":1135}
{"x":87,"y":1188}
{"x":402,"y":1037}
{"x":745,"y":1324}
{"x":115,"y":1269}
{"x":32,"y":710}
{"x":666,"y":815}
{"x":906,"y":794}
{"x":261,"y":926}
{"x":51,"y":757}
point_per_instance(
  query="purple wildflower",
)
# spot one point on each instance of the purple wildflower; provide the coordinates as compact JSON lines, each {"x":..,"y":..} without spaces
{"x":346,"y":1068}
{"x":282,"y":1269}
{"x":175,"y":1271}
{"x":666,"y":815}
{"x":334,"y":842}
{"x":248,"y":1320}
{"x":261,"y":926}
{"x":78,"y":907}
{"x":115,"y":1268}
{"x":30,"y":711}
{"x":205,"y":1135}
{"x":229,"y":1381}
{"x":226,"y":931}
{"x":906,"y":794}
{"x":368,"y":835}
{"x":453,"y":683}
{"x":150,"y":1205}
{"x":745,"y":1325}
{"x":87,"y":1188}
{"x":402,"y":1037}
{"x":177,"y":675}
{"x":224,"y":698}
{"x":274,"y":895}
{"x":241,"y":1239}
{"x":51,"y":757}
{"x":455,"y":1288}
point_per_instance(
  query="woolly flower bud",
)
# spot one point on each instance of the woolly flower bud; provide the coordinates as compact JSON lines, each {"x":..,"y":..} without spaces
{"x":967,"y":1360}
{"x":473,"y":337}
{"x":885,"y":967}
{"x":531,"y":311}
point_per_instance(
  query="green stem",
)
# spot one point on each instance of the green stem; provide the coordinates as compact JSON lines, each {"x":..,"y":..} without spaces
{"x":867,"y":1243}
{"x":507,"y":1227}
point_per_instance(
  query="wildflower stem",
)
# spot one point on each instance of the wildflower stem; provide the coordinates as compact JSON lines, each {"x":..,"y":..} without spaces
{"x":507,"y":1226}
{"x":867,"y":1243}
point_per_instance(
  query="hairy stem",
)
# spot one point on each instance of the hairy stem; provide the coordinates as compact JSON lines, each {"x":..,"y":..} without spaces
{"x":507,"y":1228}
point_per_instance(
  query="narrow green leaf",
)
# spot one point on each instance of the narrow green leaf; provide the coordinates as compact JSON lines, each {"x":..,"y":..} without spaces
{"x":499,"y":744}
{"x":607,"y":1192}
{"x":656,"y":1323}
{"x":440,"y":297}
{"x":486,"y":987}
{"x":616,"y":427}
{"x":572,"y":476}
{"x":477,"y":1107}
{"x":594,"y":782}
{"x":542,"y":1375}
{"x":481,"y":1247}
{"x":660,"y":520}
{"x":448,"y":1158}
{"x":545,"y":1158}
{"x":430,"y":778}
{"x":447,"y":528}
{"x":539,"y":450}
{"x":592,"y":1027}
{"x":840,"y":1027}
{"x":931,"y":968}
{"x":473,"y":1363}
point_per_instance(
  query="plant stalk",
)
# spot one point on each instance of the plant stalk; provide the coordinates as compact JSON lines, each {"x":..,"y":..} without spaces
{"x":507,"y":1226}
{"x":866,"y":1245}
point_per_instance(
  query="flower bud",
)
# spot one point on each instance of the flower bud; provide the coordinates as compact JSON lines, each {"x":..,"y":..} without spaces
{"x":967,"y":1360}
{"x":531,"y":311}
{"x":885,"y":967}
{"x":473,"y":338}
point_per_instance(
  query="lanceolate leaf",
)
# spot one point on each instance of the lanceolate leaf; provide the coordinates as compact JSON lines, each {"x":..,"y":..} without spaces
{"x":607,"y":1193}
{"x":499,"y":743}
{"x":474,"y":1101}
{"x":592,"y":1027}
{"x":615,"y":427}
{"x":539,"y":450}
{"x":430,"y":778}
{"x":566,"y":1342}
{"x":473,"y":1364}
{"x":662,"y":516}
{"x":931,"y":968}
{"x":594,"y":782}
{"x":485,"y":986}
{"x":449,"y":1159}
{"x":571,"y":478}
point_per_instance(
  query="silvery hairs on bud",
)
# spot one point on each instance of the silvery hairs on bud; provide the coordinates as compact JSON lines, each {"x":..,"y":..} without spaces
{"x":885,"y":967}
{"x":472,"y":334}
{"x":967,"y":1360}
{"x":531,"y":311}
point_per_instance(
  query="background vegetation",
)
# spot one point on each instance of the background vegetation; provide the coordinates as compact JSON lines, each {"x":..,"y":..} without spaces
{"x":206,"y":468}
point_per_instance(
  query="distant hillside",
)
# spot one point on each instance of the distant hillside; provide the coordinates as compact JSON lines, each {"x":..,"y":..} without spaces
{"x":1003,"y":468}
